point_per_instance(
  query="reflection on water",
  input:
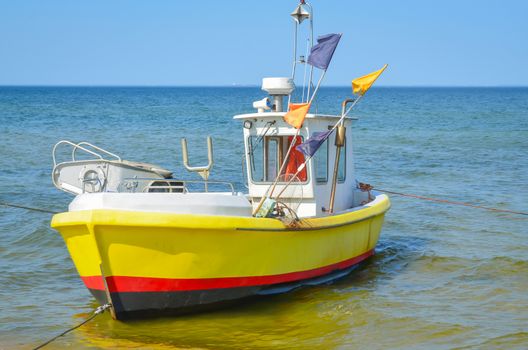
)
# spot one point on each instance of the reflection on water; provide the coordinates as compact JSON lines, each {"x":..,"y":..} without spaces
{"x":322,"y":316}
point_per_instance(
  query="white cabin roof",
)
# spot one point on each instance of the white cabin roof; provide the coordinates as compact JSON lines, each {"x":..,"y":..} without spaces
{"x":276,"y":115}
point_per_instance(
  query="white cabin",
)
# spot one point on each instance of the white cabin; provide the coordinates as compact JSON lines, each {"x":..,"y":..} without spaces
{"x":267,"y":138}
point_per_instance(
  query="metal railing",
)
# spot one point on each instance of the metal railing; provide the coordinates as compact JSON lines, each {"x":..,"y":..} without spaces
{"x":134,"y":185}
{"x":150,"y":185}
{"x":84,"y":146}
{"x":78,"y":146}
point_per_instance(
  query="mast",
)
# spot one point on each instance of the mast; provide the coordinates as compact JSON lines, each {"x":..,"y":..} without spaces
{"x":303,"y":11}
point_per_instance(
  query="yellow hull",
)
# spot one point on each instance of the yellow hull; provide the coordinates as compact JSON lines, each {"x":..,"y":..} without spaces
{"x":195,"y":260}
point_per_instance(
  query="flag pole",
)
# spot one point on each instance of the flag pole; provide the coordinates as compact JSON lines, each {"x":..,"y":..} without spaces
{"x":294,"y":140}
{"x":302,"y":166}
{"x":299,"y":169}
{"x":339,"y":142}
{"x":326,"y":56}
{"x":274,"y":185}
{"x":318,"y":85}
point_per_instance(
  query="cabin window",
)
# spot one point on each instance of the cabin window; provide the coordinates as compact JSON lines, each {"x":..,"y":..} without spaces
{"x":267,"y":154}
{"x":341,"y":169}
{"x":272,"y":155}
{"x":321,"y":162}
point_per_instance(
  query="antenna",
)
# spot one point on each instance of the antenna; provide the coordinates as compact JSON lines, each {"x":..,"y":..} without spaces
{"x":303,"y":11}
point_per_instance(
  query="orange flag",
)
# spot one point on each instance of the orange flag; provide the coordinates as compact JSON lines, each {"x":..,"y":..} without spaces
{"x":297,"y":113}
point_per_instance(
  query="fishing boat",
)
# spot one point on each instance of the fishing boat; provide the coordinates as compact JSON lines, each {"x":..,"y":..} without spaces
{"x":150,"y":244}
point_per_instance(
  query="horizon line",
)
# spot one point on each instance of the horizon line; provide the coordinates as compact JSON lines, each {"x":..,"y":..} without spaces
{"x":240,"y":86}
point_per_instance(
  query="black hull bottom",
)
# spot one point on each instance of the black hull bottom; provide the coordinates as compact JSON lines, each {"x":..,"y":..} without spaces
{"x":138,"y":305}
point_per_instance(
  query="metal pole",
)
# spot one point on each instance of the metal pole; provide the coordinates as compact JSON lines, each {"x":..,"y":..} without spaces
{"x":318,"y":85}
{"x":350,"y":108}
{"x":287,"y":154}
{"x":272,"y":187}
{"x":304,"y":76}
{"x":285,"y":160}
{"x":339,"y":142}
{"x":311,"y":45}
{"x":344,"y":114}
{"x":301,"y":167}
{"x":294,"y":60}
{"x":340,"y":121}
{"x":294,"y":50}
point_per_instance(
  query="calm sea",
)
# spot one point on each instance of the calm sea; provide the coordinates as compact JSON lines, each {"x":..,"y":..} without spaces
{"x":443,"y":277}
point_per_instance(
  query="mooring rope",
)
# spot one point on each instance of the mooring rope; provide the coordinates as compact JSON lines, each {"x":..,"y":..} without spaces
{"x":97,"y":311}
{"x":28,"y":208}
{"x":445,"y":201}
{"x":363,"y":186}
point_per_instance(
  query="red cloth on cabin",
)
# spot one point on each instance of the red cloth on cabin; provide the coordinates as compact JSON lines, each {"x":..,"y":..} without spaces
{"x":295,"y":161}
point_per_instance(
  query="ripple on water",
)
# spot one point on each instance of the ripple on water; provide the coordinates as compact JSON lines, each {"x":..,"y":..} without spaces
{"x":443,"y":277}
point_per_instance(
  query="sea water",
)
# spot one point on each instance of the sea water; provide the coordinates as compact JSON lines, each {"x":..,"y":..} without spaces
{"x":443,"y":276}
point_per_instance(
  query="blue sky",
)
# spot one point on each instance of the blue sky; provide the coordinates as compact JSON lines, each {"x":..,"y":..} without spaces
{"x":128,"y":42}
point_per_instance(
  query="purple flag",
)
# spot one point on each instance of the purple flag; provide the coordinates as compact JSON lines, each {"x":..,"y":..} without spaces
{"x":312,"y":144}
{"x":321,"y":54}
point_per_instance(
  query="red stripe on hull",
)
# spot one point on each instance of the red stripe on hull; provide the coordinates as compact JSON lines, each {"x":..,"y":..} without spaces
{"x":149,"y":284}
{"x":94,"y":282}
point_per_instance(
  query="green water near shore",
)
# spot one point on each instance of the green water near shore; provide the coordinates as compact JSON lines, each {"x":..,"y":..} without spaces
{"x":443,"y":277}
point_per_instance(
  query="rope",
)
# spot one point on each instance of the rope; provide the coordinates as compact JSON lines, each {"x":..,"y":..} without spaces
{"x":439,"y":200}
{"x":28,"y":208}
{"x":97,"y":311}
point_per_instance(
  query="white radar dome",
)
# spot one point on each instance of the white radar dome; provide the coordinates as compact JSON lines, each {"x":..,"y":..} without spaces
{"x":278,"y":86}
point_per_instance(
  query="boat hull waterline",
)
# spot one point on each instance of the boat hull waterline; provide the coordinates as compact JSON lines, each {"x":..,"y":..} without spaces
{"x":160,"y":263}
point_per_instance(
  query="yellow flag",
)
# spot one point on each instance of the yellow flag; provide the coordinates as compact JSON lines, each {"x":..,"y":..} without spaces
{"x":297,"y":113}
{"x":361,"y":85}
